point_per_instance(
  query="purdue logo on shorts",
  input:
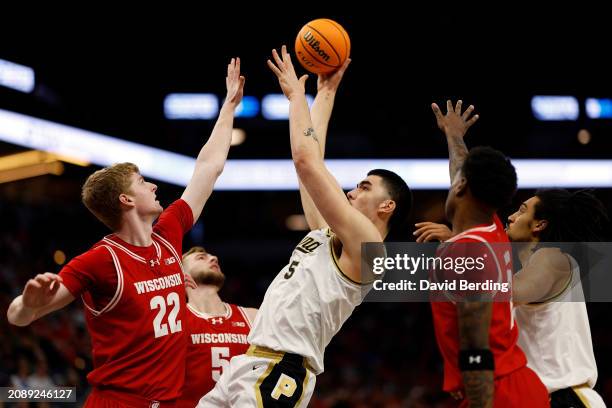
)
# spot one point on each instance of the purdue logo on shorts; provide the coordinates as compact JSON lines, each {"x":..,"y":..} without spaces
{"x":282,"y":384}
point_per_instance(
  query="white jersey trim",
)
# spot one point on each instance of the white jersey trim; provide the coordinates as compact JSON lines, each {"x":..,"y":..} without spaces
{"x":171,"y":248}
{"x":118,"y":292}
{"x":488,"y":228}
{"x":245,"y":316}
{"x":124,"y":249}
{"x":202,"y":315}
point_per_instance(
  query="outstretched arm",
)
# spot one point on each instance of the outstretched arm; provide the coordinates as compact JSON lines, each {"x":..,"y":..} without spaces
{"x":41,"y":295}
{"x":455,"y":125}
{"x":321,"y":111}
{"x":212,"y":156}
{"x":351,"y":226}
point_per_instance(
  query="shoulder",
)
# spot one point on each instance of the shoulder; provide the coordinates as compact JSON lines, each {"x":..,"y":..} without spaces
{"x":550,"y":259}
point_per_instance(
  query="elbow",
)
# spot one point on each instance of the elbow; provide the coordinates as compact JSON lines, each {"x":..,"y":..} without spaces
{"x":304,"y":161}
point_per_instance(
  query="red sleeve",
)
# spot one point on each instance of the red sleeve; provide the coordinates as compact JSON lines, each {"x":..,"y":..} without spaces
{"x":174,"y":222}
{"x":93,"y":269}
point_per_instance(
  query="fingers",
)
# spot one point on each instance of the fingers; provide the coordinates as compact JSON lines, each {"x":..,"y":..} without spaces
{"x":230,"y":68}
{"x":472,"y":120}
{"x":449,"y":106}
{"x":274,"y":68}
{"x":303,"y":79}
{"x":467,"y":112}
{"x":458,"y":107}
{"x":424,"y":223}
{"x":436,"y":110}
{"x":277,"y":59}
{"x":344,"y":67}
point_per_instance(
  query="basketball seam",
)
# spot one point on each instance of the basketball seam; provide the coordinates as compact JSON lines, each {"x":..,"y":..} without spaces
{"x":313,"y":56}
{"x":329,"y":42}
{"x":342,"y":32}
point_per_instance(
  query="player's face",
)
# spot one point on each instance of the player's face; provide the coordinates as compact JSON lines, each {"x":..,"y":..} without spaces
{"x":522,"y":224}
{"x":369,"y":196}
{"x":204,"y":268}
{"x":144,"y":195}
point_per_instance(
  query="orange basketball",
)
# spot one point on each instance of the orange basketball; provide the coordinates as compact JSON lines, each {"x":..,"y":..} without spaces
{"x":322,"y":46}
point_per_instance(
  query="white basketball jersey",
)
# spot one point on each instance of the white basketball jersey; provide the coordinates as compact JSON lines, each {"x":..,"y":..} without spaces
{"x":556,"y":337}
{"x":307,"y":302}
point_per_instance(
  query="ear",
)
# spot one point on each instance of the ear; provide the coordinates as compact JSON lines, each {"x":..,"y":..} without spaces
{"x":461,"y":187}
{"x":126,"y":200}
{"x":387,"y":207}
{"x":539,"y":225}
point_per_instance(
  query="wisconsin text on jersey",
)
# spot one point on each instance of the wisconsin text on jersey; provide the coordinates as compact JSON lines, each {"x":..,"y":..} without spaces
{"x":205,"y":338}
{"x":163,"y":282}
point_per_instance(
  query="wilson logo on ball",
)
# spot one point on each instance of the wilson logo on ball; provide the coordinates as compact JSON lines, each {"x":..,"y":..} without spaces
{"x":322,"y":46}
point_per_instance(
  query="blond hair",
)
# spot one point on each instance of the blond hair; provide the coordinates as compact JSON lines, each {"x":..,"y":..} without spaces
{"x":102,"y":189}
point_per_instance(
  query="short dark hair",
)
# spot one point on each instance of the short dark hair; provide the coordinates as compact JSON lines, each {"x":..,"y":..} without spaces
{"x":572,"y":216}
{"x":490,"y":176}
{"x":400,"y":193}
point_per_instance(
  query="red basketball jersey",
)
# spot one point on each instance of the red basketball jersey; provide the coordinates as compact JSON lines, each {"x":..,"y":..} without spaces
{"x":213,"y":341}
{"x":503,"y":332}
{"x":135,"y":309}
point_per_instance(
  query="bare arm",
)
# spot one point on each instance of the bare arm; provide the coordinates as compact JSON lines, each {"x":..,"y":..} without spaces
{"x":547,"y":272}
{"x":212,"y":156}
{"x":474,"y":319}
{"x":351,"y":226}
{"x":455,"y":125}
{"x":327,"y":85}
{"x":41,"y":295}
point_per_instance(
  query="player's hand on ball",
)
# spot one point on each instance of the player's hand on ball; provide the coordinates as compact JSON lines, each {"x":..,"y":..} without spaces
{"x":330,"y":82}
{"x":284,"y":71}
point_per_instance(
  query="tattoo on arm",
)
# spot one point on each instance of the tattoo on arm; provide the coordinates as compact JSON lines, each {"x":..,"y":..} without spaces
{"x":311,"y":132}
{"x":457,"y":152}
{"x":478,"y":388}
{"x":474,"y":321}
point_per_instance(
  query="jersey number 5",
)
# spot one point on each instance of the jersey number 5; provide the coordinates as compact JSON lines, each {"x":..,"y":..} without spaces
{"x":217,"y":362}
{"x":292,"y":267}
{"x":158,"y":302}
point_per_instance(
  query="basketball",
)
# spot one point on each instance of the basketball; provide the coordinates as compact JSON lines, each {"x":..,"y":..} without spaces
{"x":322,"y":46}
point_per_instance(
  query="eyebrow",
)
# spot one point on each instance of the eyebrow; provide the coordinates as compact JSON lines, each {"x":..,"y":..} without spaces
{"x":523,"y":205}
{"x":364,"y":183}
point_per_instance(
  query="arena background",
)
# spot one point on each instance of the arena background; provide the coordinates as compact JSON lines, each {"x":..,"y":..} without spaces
{"x":110,"y":74}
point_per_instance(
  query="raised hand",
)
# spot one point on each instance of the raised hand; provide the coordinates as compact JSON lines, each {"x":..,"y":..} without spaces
{"x":234,"y":82}
{"x":330,"y":82}
{"x":284,"y":71}
{"x":40,"y":291}
{"x":454,"y":123}
{"x":430,"y":231}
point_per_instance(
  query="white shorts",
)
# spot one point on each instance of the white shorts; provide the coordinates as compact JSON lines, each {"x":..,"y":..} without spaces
{"x":263,"y":378}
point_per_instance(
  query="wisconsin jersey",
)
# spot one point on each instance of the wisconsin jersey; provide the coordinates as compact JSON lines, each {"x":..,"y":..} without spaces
{"x":556,"y":337}
{"x":213,"y":341}
{"x":135,"y":309}
{"x":503,"y":333}
{"x":307,"y":303}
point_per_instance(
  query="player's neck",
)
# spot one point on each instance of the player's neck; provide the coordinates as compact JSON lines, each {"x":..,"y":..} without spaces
{"x":136,"y":231}
{"x":205,"y":299}
{"x":525,"y":250}
{"x":467,"y":217}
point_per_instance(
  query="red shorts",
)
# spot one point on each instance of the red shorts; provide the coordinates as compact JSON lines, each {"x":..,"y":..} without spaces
{"x":117,"y":399}
{"x":520,"y":388}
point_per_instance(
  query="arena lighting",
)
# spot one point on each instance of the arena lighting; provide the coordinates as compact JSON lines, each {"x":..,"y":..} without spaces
{"x":555,"y":107}
{"x":248,"y":108}
{"x":16,"y":76}
{"x":248,"y":175}
{"x":599,"y":108}
{"x":191,"y":106}
{"x":276,"y":106}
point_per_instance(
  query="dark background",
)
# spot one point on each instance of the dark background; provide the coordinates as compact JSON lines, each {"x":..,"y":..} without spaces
{"x":109,"y":71}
